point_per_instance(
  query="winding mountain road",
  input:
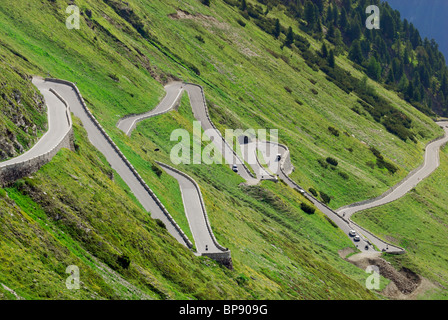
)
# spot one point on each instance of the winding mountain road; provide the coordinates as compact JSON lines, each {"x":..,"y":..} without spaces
{"x":195,"y":211}
{"x":59,"y":123}
{"x":431,"y":163}
{"x":249,"y":147}
{"x":113,"y":156}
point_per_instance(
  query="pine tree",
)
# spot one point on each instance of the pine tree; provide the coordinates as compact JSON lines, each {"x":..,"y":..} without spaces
{"x":374,"y":69}
{"x":310,"y":14}
{"x":289,"y":37}
{"x":243,"y":5}
{"x":324,"y":50}
{"x":335,"y":15}
{"x":343,"y":21}
{"x":277,"y":29}
{"x":330,"y":32}
{"x":355,"y":53}
{"x":347,"y":4}
{"x":409,"y":94}
{"x":444,"y":84}
{"x":320,"y":5}
{"x":330,"y":59}
{"x":390,"y":77}
{"x":329,"y":16}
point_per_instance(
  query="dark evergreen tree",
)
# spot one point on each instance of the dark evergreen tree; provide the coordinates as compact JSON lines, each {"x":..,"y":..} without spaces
{"x":374,"y":69}
{"x":355,"y":53}
{"x":277,"y":28}
{"x":331,"y":59}
{"x":243,"y":5}
{"x":289,"y":37}
{"x":324,"y":50}
{"x":310,"y":15}
{"x":320,"y":5}
{"x":343,"y":20}
{"x":388,"y":25}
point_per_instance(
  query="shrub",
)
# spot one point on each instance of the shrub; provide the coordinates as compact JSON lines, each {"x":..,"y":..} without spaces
{"x":19,"y":184}
{"x":333,"y":131}
{"x":242,"y":280}
{"x":313,"y":192}
{"x":332,"y":161}
{"x":241,"y":22}
{"x":370,"y":164}
{"x":199,"y":38}
{"x":322,"y":163}
{"x":389,"y":166}
{"x":160,"y":223}
{"x":343,"y":175}
{"x":325,"y":197}
{"x":114,"y":77}
{"x":157,"y":170}
{"x":376,"y":153}
{"x":124,"y":261}
{"x":307,"y":208}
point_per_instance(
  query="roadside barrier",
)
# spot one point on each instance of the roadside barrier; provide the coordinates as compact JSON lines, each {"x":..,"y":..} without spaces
{"x":125,"y":160}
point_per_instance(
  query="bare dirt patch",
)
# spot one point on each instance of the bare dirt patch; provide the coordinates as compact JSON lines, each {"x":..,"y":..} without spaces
{"x":182,"y":15}
{"x":405,"y":284}
{"x":345,"y":252}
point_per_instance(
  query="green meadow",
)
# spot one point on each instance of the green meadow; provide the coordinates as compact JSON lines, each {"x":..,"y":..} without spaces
{"x":76,"y":210}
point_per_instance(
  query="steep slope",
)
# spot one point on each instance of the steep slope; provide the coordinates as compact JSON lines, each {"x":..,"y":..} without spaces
{"x":22,"y":109}
{"x":418,"y":222}
{"x":119,"y":58}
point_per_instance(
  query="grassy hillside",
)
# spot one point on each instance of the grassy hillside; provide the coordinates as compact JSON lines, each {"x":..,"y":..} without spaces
{"x":119,"y":58}
{"x":22,"y":109}
{"x":72,"y":213}
{"x":418,"y":222}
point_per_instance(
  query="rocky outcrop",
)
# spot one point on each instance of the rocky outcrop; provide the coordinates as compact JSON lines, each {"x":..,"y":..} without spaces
{"x":21,"y":107}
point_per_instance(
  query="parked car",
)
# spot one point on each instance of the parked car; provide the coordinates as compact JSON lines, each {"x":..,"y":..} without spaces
{"x":235,"y":168}
{"x":356,"y":238}
{"x":352,"y":233}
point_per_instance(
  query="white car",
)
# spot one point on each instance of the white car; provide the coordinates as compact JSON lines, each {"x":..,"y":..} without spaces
{"x":356,"y":238}
{"x":352,"y":233}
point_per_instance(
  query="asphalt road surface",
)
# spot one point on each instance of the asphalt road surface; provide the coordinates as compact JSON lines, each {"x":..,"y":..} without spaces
{"x":173,"y":94}
{"x":194,"y":211}
{"x":248,"y":151}
{"x":431,"y":163}
{"x":101,"y":143}
{"x":58,"y":126}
